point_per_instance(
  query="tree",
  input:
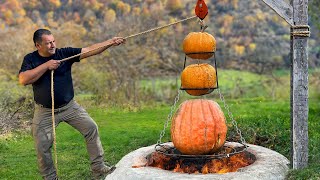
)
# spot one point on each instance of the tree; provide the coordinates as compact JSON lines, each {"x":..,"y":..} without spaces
{"x":314,"y":9}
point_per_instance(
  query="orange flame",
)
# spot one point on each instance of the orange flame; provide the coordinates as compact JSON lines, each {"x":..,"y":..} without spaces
{"x":220,"y":166}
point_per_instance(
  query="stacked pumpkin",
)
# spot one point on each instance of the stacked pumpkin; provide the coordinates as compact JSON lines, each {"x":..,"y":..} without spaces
{"x":199,"y":79}
{"x":199,"y":127}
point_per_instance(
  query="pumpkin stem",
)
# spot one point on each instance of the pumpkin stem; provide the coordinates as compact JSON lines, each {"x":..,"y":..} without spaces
{"x":203,"y":27}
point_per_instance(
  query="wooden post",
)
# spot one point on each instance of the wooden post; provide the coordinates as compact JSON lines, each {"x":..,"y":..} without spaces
{"x":296,"y":14}
{"x":283,"y":9}
{"x":299,"y":85}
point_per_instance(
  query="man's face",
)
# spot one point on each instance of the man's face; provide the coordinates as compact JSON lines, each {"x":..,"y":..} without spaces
{"x":48,"y":45}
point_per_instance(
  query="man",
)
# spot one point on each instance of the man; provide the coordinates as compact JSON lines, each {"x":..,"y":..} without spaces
{"x":35,"y":70}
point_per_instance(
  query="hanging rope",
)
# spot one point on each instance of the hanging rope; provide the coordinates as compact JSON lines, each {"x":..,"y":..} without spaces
{"x":54,"y":124}
{"x":77,"y":55}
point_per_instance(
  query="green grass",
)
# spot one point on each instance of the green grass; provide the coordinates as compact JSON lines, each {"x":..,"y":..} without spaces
{"x":259,"y":103}
{"x":120,"y":132}
{"x":262,"y":122}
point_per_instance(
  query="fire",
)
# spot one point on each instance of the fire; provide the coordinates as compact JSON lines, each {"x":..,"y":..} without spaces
{"x":204,"y":166}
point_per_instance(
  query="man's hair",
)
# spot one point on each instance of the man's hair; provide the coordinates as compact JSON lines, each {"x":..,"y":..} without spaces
{"x":37,"y":36}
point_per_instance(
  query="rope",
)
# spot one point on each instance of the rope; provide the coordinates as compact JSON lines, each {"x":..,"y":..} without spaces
{"x":54,"y":125}
{"x":161,"y":27}
{"x":300,"y":33}
{"x":68,"y":58}
{"x":131,"y":36}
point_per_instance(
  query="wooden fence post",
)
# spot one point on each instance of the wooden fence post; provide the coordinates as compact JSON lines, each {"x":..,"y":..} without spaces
{"x":299,"y":84}
{"x":296,"y":14}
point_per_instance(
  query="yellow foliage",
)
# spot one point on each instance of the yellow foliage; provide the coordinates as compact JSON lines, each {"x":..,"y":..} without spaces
{"x":52,"y":23}
{"x":50,"y":19}
{"x":136,"y":11}
{"x":70,"y":34}
{"x":110,"y":16}
{"x":127,"y":9}
{"x":8,"y":14}
{"x":252,"y":46}
{"x":239,"y":49}
{"x":275,"y":18}
{"x":227,"y":20}
{"x":56,"y":3}
{"x":124,"y":7}
{"x":286,"y":37}
{"x":21,"y":12}
{"x":27,"y":25}
{"x":13,"y":4}
{"x":12,"y":12}
{"x":32,"y":3}
{"x":174,"y":5}
{"x":250,"y":19}
{"x":221,"y":30}
{"x":284,"y":23}
{"x":260,"y":16}
{"x":50,"y":15}
{"x":2,"y":25}
{"x":162,"y":23}
{"x":19,"y":20}
{"x":145,"y":11}
{"x":179,"y":28}
{"x":95,"y":5}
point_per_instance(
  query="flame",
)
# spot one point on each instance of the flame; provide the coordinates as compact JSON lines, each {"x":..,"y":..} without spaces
{"x":220,"y":166}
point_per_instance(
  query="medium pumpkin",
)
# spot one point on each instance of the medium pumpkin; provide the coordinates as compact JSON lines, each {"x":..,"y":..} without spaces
{"x":199,"y":42}
{"x":199,"y":127}
{"x":199,"y":76}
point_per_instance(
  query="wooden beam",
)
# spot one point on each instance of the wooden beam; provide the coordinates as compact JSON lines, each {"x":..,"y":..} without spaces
{"x":283,"y":9}
{"x":299,"y":85}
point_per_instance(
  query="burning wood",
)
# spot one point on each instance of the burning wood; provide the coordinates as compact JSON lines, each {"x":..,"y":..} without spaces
{"x":200,"y":165}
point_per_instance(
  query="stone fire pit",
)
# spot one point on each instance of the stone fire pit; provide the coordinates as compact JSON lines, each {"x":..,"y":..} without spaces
{"x":269,"y":165}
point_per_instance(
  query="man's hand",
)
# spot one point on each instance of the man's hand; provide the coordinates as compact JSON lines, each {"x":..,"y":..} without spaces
{"x":32,"y":75}
{"x":53,"y":64}
{"x":118,"y":40}
{"x":100,"y":47}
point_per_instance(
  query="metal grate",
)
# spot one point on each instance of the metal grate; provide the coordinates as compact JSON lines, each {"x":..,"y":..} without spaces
{"x":225,"y":152}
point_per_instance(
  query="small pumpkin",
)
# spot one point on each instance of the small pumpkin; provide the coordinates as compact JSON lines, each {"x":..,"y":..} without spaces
{"x":199,"y":76}
{"x":199,"y":127}
{"x":199,"y":42}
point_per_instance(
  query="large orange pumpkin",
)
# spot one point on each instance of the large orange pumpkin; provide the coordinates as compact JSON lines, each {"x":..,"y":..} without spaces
{"x":199,"y":127}
{"x":199,"y":76}
{"x":199,"y":42}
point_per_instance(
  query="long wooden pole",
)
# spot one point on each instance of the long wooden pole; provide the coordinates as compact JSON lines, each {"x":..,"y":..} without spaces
{"x":296,"y":14}
{"x":283,"y":9}
{"x":299,"y":85}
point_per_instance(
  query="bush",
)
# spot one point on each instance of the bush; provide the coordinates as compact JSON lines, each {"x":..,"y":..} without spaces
{"x":16,"y":105}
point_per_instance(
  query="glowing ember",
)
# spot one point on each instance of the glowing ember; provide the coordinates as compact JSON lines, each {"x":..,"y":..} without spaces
{"x":204,"y":166}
